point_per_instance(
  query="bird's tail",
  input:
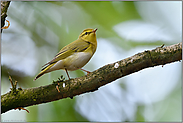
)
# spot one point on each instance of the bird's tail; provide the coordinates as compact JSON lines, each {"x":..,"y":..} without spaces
{"x":43,"y":71}
{"x":39,"y":75}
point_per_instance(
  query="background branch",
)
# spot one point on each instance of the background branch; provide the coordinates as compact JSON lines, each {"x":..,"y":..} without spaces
{"x":92,"y":81}
{"x":4,"y":8}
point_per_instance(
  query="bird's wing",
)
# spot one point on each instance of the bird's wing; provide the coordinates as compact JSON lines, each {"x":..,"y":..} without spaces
{"x":76,"y":46}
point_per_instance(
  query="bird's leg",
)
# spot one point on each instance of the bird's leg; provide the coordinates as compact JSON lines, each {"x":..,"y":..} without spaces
{"x":71,"y":94}
{"x":67,"y":73}
{"x":86,"y":71}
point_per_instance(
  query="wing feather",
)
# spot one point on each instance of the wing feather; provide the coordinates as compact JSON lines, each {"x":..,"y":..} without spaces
{"x":76,"y":46}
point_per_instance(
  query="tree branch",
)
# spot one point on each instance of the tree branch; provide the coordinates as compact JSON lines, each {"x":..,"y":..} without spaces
{"x":92,"y":81}
{"x":4,"y":8}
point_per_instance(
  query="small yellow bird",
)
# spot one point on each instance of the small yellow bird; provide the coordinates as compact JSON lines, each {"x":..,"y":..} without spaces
{"x":73,"y":56}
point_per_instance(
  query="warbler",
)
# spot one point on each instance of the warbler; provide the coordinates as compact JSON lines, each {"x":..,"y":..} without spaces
{"x":74,"y":55}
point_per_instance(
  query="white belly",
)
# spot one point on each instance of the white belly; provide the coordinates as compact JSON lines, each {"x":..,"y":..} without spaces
{"x":73,"y":62}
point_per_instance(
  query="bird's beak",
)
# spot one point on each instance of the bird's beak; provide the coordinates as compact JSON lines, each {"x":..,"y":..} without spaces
{"x":95,"y":30}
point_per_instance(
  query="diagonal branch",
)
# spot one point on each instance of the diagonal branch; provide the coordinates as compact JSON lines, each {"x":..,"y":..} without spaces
{"x":92,"y":81}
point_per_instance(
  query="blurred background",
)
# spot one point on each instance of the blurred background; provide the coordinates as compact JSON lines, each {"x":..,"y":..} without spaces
{"x":39,"y":30}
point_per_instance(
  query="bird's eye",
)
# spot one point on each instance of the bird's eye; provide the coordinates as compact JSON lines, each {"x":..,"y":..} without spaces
{"x":86,"y":33}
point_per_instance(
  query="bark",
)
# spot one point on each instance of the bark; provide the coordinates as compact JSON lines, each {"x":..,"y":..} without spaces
{"x":92,"y":81}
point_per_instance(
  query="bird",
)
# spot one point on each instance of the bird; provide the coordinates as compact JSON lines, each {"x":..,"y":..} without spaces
{"x":74,"y":55}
